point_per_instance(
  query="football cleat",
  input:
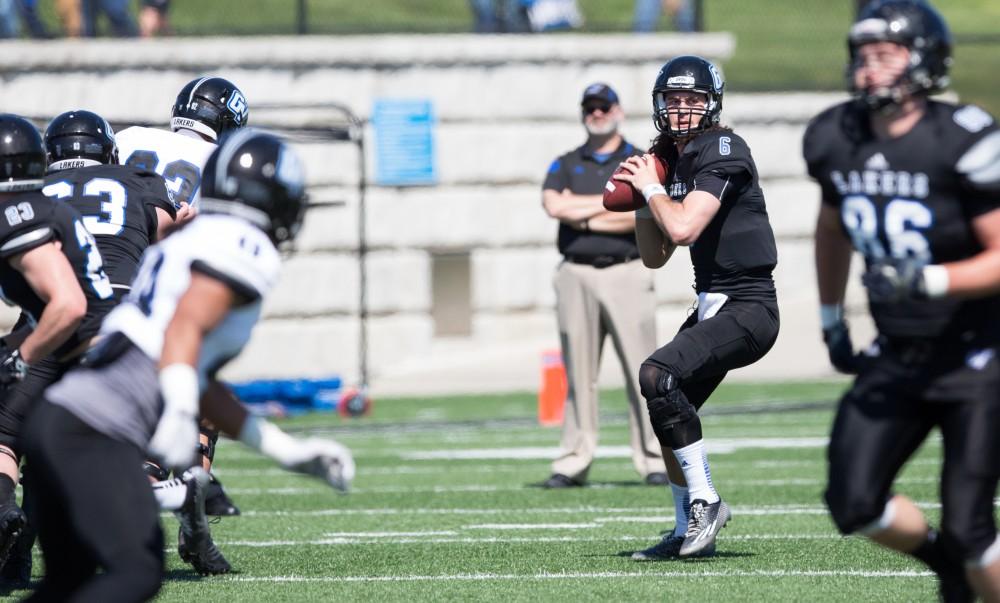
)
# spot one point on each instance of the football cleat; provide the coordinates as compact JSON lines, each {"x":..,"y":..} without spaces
{"x":194,"y":540}
{"x":217,"y":502}
{"x":12,"y":523}
{"x":704,"y":524}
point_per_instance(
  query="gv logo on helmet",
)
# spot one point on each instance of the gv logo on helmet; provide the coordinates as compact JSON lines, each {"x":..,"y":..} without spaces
{"x":237,"y":105}
{"x":716,"y":77}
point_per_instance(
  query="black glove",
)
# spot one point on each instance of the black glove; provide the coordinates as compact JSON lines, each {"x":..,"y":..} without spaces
{"x":892,"y":281}
{"x":12,"y":367}
{"x":838,"y":343}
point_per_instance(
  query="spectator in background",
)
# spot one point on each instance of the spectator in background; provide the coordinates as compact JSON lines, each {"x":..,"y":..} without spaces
{"x":501,"y":16}
{"x":10,"y":25}
{"x":601,"y":289}
{"x":485,"y":14}
{"x":153,"y":18}
{"x":28,"y":11}
{"x":118,"y":13}
{"x":647,"y":14}
{"x":14,"y":13}
{"x":70,"y":15}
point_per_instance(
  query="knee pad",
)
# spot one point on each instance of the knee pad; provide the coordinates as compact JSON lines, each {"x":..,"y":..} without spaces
{"x":851,"y":512}
{"x":669,"y":407}
{"x":655,"y":382}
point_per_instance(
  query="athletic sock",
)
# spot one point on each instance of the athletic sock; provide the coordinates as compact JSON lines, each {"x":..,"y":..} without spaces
{"x":682,"y":506}
{"x":694,"y":463}
{"x":170,"y":494}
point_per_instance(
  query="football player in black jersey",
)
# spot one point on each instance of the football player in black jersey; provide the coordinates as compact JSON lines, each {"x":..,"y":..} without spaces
{"x":124,"y":207}
{"x":49,"y":266}
{"x":714,"y":206}
{"x":913,"y":184}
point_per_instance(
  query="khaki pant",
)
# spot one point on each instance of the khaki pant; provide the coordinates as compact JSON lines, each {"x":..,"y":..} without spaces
{"x":69,"y":14}
{"x":591,"y":303}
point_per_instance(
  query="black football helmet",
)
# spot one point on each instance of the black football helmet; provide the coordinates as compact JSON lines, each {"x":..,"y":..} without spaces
{"x":691,"y":73}
{"x":915,"y":25}
{"x":79,"y":138}
{"x":258,"y":177}
{"x":210,"y":106}
{"x":22,"y":155}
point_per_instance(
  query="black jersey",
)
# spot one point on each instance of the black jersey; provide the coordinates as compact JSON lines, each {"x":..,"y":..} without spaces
{"x":118,"y":204}
{"x":913,"y":196}
{"x":735,"y":254}
{"x":31,"y":220}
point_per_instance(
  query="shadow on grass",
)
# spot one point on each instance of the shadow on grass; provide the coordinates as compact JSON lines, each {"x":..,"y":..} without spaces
{"x":595,"y":485}
{"x":189,"y":575}
{"x":718,"y":555}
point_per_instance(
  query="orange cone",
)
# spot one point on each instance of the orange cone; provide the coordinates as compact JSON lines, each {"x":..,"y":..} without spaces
{"x":552,"y":393}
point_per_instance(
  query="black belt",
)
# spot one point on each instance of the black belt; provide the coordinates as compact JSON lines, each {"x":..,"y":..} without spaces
{"x":601,"y":261}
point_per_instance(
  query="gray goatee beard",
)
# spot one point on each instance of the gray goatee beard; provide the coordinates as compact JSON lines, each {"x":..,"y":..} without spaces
{"x":610,"y":127}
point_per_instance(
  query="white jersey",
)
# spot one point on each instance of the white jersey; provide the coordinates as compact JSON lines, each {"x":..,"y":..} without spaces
{"x":178,"y":158}
{"x":221,"y":246}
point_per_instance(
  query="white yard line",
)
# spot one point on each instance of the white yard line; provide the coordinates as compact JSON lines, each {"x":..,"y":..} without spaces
{"x":319,"y":490}
{"x":388,"y":534}
{"x":713,"y":446}
{"x":644,"y":538}
{"x":531,"y":526}
{"x":626,"y":512}
{"x":486,"y":577}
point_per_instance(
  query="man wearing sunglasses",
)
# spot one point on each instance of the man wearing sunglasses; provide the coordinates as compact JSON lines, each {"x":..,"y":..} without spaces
{"x":601,"y":289}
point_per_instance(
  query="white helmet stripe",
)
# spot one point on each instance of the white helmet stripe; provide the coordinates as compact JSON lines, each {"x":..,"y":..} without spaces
{"x":195,"y":88}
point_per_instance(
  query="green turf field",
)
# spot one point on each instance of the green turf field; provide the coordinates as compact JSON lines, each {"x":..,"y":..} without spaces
{"x":428,"y":521}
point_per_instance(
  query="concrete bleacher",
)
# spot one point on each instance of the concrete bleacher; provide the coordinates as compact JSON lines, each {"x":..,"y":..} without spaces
{"x":505,"y":107}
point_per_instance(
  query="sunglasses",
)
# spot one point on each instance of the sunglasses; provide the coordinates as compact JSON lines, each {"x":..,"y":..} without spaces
{"x":588,"y":109}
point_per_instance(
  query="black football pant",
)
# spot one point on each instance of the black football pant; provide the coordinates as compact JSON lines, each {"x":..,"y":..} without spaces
{"x":874,"y":434}
{"x":94,"y":510}
{"x":20,"y":398}
{"x":678,"y":378}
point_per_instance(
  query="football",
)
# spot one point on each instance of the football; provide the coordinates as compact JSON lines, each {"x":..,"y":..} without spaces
{"x":620,"y":196}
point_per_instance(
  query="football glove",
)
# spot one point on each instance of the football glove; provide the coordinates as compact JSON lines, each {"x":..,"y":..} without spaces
{"x":838,"y":344}
{"x":13,"y":368}
{"x":895,"y":280}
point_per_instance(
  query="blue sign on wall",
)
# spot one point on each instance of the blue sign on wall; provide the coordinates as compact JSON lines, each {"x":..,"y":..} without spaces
{"x":404,"y":142}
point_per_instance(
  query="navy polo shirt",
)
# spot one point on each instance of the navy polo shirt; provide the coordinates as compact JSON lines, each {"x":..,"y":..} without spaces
{"x":585,"y":173}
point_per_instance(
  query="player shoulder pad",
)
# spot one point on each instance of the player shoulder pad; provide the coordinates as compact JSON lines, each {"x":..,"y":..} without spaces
{"x":722,"y":150}
{"x":234,"y":252}
{"x":26,"y":223}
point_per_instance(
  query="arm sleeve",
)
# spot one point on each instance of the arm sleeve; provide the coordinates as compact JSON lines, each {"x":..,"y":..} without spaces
{"x":242,"y":258}
{"x":25,"y":225}
{"x":723,"y":183}
{"x":25,"y":240}
{"x":979,"y":174}
{"x":813,"y":153}
{"x":556,"y":179}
